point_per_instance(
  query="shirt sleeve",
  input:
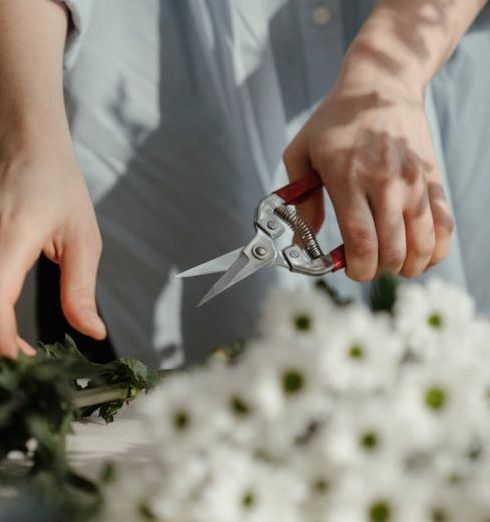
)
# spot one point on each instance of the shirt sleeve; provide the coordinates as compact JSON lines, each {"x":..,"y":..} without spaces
{"x":79,"y":12}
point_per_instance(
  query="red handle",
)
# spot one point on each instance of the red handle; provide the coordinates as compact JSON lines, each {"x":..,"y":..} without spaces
{"x":338,"y":258}
{"x":299,"y":190}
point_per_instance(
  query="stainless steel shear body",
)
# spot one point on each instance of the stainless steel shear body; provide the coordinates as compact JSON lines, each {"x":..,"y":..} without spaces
{"x":272,"y":216}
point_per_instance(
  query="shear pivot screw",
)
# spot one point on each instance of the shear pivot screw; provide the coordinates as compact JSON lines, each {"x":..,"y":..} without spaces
{"x":294,"y":254}
{"x":259,"y":252}
{"x":272,"y":225}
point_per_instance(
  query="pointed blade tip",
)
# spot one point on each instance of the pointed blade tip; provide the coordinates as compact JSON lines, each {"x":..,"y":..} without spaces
{"x":186,"y":273}
{"x":216,"y":265}
{"x":205,"y":299}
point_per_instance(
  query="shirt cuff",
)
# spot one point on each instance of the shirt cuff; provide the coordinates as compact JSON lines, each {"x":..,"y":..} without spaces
{"x":79,"y":12}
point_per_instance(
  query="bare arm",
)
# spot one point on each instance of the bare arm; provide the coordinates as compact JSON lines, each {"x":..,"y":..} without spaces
{"x":32,"y":37}
{"x":409,"y":40}
{"x":44,"y":203}
{"x":371,"y":142}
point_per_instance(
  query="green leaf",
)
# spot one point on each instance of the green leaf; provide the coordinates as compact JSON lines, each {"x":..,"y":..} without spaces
{"x":38,"y":401}
{"x":127,"y":373}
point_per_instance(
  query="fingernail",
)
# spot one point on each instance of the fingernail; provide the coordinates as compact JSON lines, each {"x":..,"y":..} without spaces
{"x":25,"y":347}
{"x":29,"y":350}
{"x":96,"y":323}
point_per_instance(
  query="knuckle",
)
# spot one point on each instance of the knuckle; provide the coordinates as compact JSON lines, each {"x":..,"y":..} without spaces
{"x":424,"y":249}
{"x":408,"y":273}
{"x":338,"y":165}
{"x":440,"y":253}
{"x":383,"y":180}
{"x":414,"y":173}
{"x":417,"y":186}
{"x":89,"y":238}
{"x":14,"y":223}
{"x":412,"y":270}
{"x":292,"y":155}
{"x":361,"y":275}
{"x":287,"y":156}
{"x":322,"y":155}
{"x":393,"y":259}
{"x":98,"y":244}
{"x":438,"y":257}
{"x":362,"y":243}
{"x":446,"y":226}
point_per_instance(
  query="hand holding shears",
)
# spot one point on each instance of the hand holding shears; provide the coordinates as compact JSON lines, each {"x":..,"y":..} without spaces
{"x":272,"y":216}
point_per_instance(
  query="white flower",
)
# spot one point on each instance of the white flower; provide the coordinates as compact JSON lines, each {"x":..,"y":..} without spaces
{"x":456,"y":499}
{"x":433,"y":407}
{"x":248,"y":398}
{"x":380,"y":493}
{"x":127,"y":496}
{"x":180,"y":414}
{"x":362,"y":352}
{"x":242,"y":488}
{"x":171,"y":494}
{"x":425,"y":314}
{"x":299,"y":381}
{"x":363,"y":432}
{"x":312,"y":464}
{"x":297,"y":316}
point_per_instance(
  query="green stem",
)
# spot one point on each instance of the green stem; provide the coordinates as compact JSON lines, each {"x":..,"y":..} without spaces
{"x":94,"y":396}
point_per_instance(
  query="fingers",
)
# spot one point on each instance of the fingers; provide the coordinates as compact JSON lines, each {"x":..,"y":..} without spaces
{"x":8,"y":330}
{"x":78,"y":264}
{"x":25,"y":347}
{"x":15,"y":261}
{"x":358,"y":230}
{"x":443,"y":222}
{"x":421,"y":242}
{"x":390,"y":228}
{"x":298,"y":165}
{"x":392,"y":214}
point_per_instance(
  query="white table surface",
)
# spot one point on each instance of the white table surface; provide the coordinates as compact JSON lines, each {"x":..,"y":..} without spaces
{"x":90,"y":446}
{"x":94,"y":442}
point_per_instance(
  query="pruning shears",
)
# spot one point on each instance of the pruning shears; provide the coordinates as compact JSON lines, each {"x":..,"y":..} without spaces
{"x":272,"y":216}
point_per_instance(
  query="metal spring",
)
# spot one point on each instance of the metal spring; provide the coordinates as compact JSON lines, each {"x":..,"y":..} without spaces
{"x":301,"y":229}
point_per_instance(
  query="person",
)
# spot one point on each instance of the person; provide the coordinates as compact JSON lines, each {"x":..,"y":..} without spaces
{"x":180,"y":112}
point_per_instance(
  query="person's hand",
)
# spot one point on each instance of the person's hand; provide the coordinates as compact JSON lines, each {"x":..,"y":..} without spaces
{"x":373,"y":150}
{"x":45,"y":207}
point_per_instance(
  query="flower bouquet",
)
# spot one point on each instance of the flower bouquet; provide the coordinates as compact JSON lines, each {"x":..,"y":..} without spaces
{"x":333,"y":413}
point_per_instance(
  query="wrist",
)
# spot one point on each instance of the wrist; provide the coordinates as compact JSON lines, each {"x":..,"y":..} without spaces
{"x":33,"y":112}
{"x":368,"y":63}
{"x":395,"y":48}
{"x":35,"y":137}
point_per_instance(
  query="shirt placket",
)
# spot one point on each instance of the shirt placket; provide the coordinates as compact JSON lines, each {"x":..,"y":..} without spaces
{"x":323,"y":44}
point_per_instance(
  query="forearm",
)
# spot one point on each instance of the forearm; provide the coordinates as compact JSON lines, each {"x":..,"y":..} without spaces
{"x":32,"y":37}
{"x":407,"y":41}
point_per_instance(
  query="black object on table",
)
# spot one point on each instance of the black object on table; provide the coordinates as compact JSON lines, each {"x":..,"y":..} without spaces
{"x":51,"y":322}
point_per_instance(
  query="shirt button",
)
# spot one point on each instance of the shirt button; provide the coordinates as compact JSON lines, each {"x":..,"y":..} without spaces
{"x":321,"y":15}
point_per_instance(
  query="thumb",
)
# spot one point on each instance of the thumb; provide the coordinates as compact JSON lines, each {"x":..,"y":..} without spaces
{"x":298,"y":165}
{"x":78,"y":264}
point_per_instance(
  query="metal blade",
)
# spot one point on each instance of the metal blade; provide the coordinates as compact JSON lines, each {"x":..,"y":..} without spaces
{"x":241,"y":268}
{"x":219,"y":264}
